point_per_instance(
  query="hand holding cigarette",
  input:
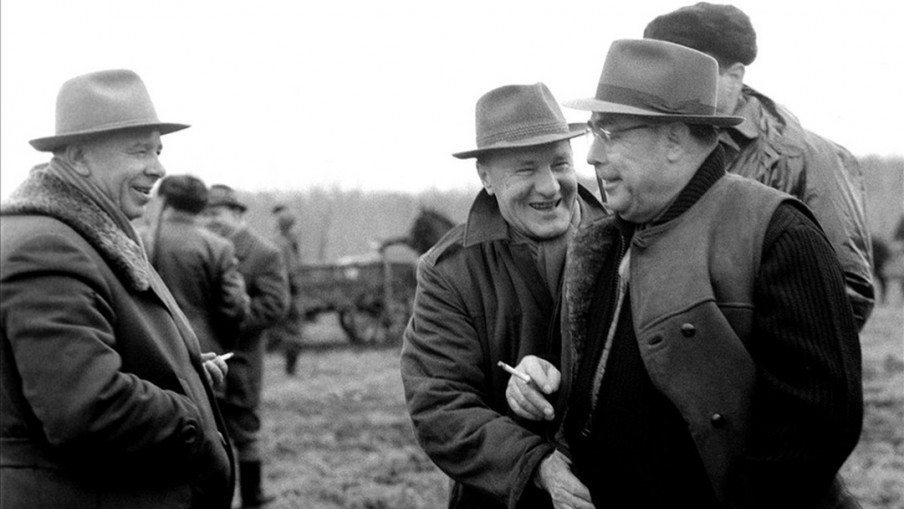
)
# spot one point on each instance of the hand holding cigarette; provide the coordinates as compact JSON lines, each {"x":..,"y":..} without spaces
{"x":515,"y":372}
{"x":528,"y":399}
{"x":215,"y":368}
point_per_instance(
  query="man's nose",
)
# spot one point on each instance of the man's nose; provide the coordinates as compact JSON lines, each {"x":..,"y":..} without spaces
{"x":596,"y":154}
{"x":546,"y":182}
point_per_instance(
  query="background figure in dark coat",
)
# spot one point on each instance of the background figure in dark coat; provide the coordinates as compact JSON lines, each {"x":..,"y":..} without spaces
{"x":198,"y":266}
{"x":487,"y":292}
{"x":261,"y":265}
{"x":107,"y":401}
{"x":286,"y":334}
{"x":772,"y":147}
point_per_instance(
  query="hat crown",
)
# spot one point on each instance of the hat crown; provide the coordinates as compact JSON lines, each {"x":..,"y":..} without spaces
{"x":720,"y":30}
{"x":104,"y":99}
{"x":515,"y":112}
{"x":221,"y":194}
{"x":663,"y":76}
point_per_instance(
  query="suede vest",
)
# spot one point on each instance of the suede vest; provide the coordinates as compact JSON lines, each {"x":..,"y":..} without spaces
{"x":692,"y":282}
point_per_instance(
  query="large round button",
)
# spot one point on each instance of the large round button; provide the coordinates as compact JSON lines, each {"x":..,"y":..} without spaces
{"x":688,"y":330}
{"x":717,"y":420}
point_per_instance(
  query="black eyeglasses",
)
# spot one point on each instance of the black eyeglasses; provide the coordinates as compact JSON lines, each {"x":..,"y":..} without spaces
{"x":606,"y":136}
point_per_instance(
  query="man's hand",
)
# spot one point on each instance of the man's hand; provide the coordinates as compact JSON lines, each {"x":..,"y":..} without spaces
{"x":215,"y":369}
{"x":527,"y":400}
{"x":555,"y":476}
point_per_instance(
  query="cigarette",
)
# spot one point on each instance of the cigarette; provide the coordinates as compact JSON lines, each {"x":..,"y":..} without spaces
{"x":226,"y":356}
{"x":513,"y":371}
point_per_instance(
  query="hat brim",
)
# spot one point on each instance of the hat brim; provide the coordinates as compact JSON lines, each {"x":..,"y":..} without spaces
{"x":574,"y":130}
{"x":598,"y":106}
{"x":51,"y":143}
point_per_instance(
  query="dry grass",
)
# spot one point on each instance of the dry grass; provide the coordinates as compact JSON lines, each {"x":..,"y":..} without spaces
{"x":337,"y":435}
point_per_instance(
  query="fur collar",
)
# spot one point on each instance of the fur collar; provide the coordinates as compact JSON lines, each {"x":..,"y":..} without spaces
{"x":591,"y":250}
{"x":43,"y":194}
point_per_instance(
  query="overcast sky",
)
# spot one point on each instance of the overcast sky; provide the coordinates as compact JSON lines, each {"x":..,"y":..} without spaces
{"x":376,"y":95}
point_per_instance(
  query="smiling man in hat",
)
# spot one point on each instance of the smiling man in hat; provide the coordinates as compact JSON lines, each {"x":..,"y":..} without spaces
{"x":487,"y":292}
{"x":107,"y":400}
{"x":772,"y":147}
{"x":710,"y":357}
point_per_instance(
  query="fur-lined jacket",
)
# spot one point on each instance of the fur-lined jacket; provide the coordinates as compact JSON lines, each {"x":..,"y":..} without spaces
{"x":105,"y":402}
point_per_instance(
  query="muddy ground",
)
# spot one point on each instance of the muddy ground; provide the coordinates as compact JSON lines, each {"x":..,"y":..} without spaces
{"x":337,"y":434}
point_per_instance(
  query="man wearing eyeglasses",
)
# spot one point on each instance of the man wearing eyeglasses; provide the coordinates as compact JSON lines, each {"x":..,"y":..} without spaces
{"x":710,"y":357}
{"x":488,"y":292}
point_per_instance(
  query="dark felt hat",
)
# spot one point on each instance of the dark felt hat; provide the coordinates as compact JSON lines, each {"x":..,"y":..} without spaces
{"x":720,"y":30}
{"x":184,"y":192}
{"x":517,"y":116}
{"x":224,"y":195}
{"x":659,"y":80}
{"x":102,"y":102}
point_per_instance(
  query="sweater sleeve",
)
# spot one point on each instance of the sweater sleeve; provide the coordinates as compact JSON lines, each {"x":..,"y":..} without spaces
{"x":808,"y":404}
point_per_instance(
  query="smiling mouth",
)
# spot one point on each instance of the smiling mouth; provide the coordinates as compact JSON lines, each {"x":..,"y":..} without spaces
{"x":146,"y":191}
{"x":546,"y":205}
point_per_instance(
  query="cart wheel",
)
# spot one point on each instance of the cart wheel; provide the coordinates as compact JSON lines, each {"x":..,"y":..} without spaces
{"x":362,"y":326}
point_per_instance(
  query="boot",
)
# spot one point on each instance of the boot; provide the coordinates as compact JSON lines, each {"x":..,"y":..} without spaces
{"x":250,"y":485}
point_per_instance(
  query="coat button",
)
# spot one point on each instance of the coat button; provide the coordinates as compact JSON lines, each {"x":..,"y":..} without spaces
{"x":688,"y":330}
{"x":717,"y":420}
{"x":189,"y":434}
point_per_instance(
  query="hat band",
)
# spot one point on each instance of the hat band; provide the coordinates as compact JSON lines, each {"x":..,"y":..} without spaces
{"x":523,"y":132}
{"x":636,"y":98}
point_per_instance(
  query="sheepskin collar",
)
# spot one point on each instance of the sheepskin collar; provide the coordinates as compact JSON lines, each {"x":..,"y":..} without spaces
{"x":593,"y":248}
{"x":46,"y":195}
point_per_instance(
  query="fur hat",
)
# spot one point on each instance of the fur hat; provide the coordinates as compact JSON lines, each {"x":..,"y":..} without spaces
{"x":720,"y":30}
{"x":102,"y":102}
{"x":184,"y":192}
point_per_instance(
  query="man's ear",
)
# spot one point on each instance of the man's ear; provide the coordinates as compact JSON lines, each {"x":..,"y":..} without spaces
{"x":677,"y":136}
{"x":483,"y":173}
{"x":75,"y":155}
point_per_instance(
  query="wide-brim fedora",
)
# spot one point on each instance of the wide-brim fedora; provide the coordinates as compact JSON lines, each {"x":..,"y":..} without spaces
{"x":517,"y":116}
{"x":658,"y":79}
{"x":102,"y":102}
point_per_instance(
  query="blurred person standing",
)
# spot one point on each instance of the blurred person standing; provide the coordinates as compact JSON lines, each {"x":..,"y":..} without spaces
{"x":286,"y":335}
{"x":772,"y":147}
{"x":260,"y":264}
{"x":106,"y":399}
{"x":487,"y":292}
{"x":710,"y":356}
{"x":198,"y":266}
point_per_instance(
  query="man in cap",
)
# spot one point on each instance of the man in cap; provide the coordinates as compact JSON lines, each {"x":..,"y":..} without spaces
{"x":107,"y":400}
{"x":771,"y":146}
{"x":487,"y":292}
{"x":260,"y":263}
{"x":710,"y":357}
{"x":286,"y":334}
{"x":198,"y":266}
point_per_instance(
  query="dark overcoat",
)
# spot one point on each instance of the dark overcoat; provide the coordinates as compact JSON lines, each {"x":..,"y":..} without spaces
{"x":480,"y":299}
{"x":104,"y":398}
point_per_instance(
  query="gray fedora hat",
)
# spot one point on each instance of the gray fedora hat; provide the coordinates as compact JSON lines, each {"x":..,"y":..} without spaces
{"x":519,"y":116}
{"x":658,"y":79}
{"x":101,"y":102}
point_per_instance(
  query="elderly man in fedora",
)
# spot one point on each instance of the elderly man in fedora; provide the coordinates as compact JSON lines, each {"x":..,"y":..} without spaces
{"x":488,"y":292}
{"x":772,"y":147}
{"x":710,"y":357}
{"x":267,"y":284}
{"x":107,"y":400}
